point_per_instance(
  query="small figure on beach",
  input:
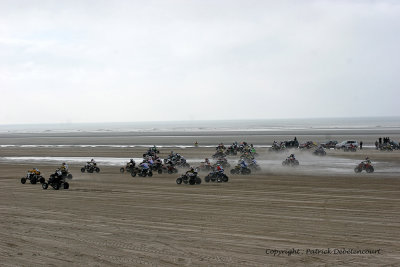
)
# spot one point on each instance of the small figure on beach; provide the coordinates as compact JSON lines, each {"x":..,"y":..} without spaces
{"x":361,"y":144}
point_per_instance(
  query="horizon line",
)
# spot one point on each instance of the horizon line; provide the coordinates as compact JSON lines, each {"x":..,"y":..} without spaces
{"x":199,"y":120}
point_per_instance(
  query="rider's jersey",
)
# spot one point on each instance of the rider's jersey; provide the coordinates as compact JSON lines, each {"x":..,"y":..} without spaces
{"x":145,"y":165}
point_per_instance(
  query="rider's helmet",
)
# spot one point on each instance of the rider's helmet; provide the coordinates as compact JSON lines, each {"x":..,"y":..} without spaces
{"x":292,"y":155}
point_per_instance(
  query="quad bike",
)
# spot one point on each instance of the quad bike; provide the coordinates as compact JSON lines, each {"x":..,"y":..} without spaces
{"x":278,"y":148}
{"x":90,"y":168}
{"x":219,"y":154}
{"x":231,"y":151}
{"x":367,"y":166}
{"x":141,"y":172}
{"x":216,"y":176}
{"x":180,"y":163}
{"x":167,"y":169}
{"x":290,"y":162}
{"x":240,"y":170}
{"x":56,"y":182}
{"x":319,"y":152}
{"x":33,"y":178}
{"x":65,"y":174}
{"x":128,"y":168}
{"x":223,"y":162}
{"x":205,"y":167}
{"x":190,"y":178}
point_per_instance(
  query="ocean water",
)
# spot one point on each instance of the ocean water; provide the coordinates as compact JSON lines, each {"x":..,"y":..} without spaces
{"x":271,"y":125}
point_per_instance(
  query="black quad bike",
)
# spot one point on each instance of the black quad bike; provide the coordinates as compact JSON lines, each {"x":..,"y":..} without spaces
{"x":90,"y":168}
{"x":290,"y":162}
{"x":33,"y":178}
{"x":216,"y":177}
{"x":240,"y":170}
{"x":56,"y":182}
{"x":190,"y":178}
{"x":141,"y":172}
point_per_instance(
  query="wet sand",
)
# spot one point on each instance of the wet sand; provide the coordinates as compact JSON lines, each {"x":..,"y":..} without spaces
{"x":112,"y":219}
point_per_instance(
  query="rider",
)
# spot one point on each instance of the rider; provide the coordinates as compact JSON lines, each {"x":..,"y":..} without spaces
{"x":33,"y":172}
{"x":219,"y":169}
{"x":145,"y":166}
{"x":190,"y":172}
{"x":291,"y":157}
{"x":207,"y":162}
{"x":243,"y":163}
{"x":131,"y":164}
{"x":64,"y":168}
{"x":57,"y":175}
{"x":157,"y":161}
{"x":367,"y":160}
{"x":150,"y":161}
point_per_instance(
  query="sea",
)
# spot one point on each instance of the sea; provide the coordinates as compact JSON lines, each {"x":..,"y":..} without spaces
{"x":377,"y":124}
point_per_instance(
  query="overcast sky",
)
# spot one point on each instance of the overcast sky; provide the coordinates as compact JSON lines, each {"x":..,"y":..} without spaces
{"x":106,"y":61}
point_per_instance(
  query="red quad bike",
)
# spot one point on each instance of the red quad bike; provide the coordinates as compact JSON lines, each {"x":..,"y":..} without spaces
{"x":364,"y":166}
{"x":167,"y":168}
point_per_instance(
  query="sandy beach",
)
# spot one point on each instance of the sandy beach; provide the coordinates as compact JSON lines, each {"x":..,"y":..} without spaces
{"x":323,"y":212}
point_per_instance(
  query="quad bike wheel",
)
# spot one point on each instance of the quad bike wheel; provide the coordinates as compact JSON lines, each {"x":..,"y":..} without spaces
{"x":198,"y":180}
{"x":179,"y":180}
{"x":122,"y":170}
{"x":225,"y":179}
{"x":159,"y":171}
{"x":192,"y":181}
{"x":66,"y":185}
{"x":370,"y":169}
{"x":33,"y":180}
{"x":56,"y":186}
{"x":45,"y":185}
{"x":133,"y":174}
{"x":150,"y":174}
{"x":97,"y":170}
{"x":23,"y":180}
{"x":207,"y":178}
{"x":69,"y":176}
{"x":42,"y":180}
{"x":82,"y":169}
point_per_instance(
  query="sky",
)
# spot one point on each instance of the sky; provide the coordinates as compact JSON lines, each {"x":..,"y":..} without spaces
{"x":122,"y":61}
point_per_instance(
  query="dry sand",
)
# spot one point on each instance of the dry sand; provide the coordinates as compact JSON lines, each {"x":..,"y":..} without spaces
{"x":112,"y":219}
